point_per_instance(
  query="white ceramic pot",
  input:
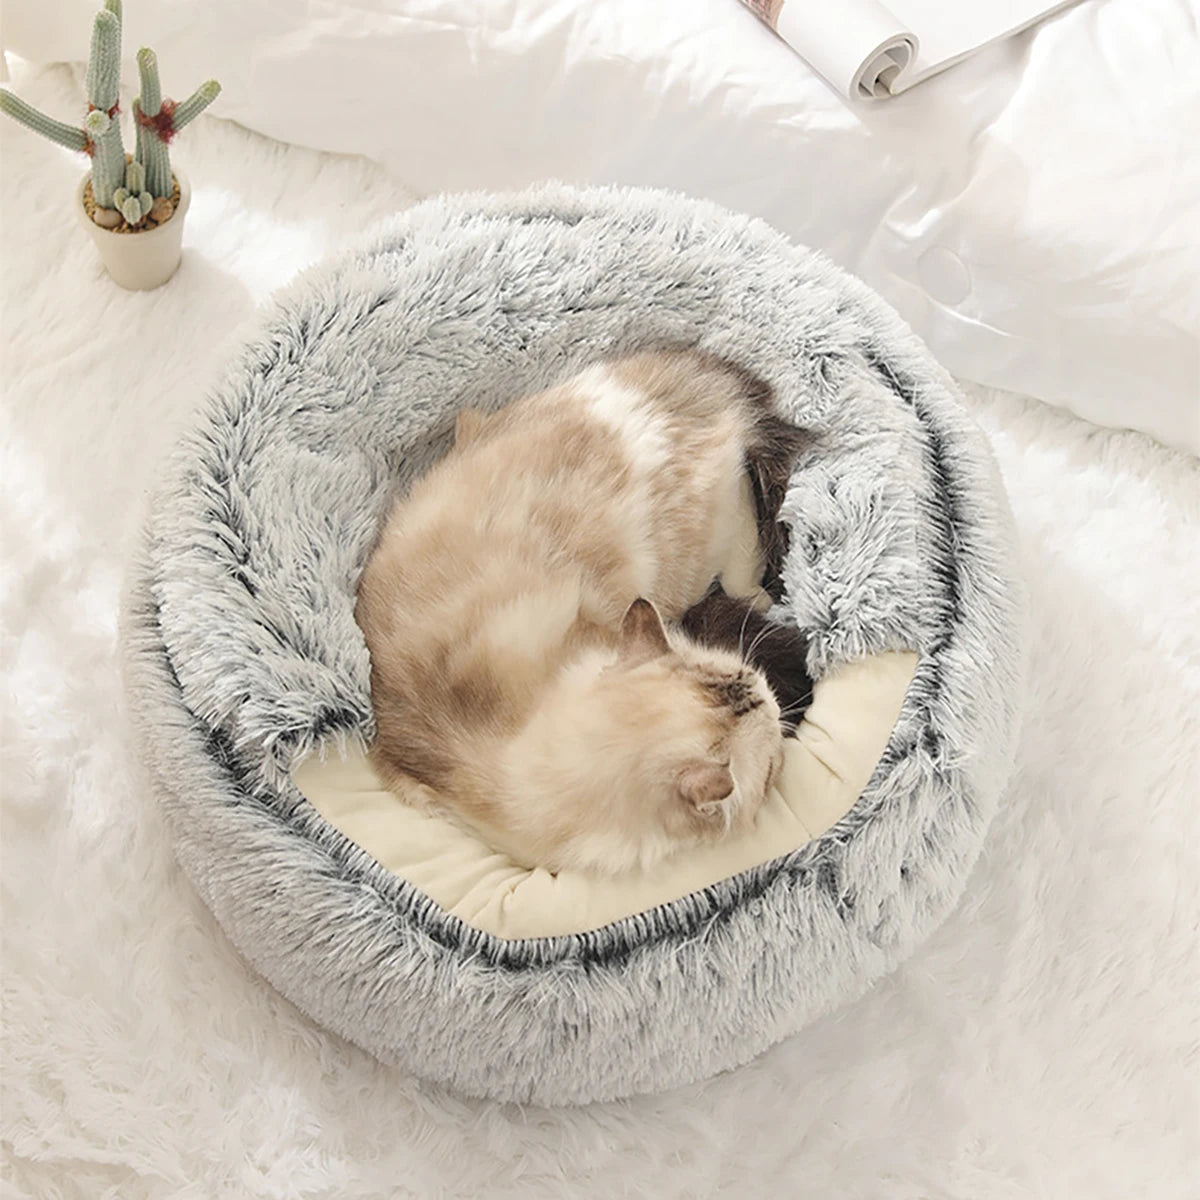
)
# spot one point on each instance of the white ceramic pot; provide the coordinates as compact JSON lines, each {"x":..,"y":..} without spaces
{"x":140,"y":261}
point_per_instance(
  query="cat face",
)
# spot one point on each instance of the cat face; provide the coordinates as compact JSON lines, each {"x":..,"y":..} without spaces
{"x":644,"y":750}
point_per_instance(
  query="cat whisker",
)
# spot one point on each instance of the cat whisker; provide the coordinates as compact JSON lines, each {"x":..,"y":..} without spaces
{"x":759,"y":638}
{"x":792,"y":718}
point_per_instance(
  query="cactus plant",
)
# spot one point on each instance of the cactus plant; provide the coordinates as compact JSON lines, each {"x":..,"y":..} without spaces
{"x":100,"y":135}
{"x":103,"y":84}
{"x":132,"y":200}
{"x":158,"y":120}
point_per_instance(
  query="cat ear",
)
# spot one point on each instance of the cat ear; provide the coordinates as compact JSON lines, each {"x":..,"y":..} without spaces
{"x":468,"y":425}
{"x":703,"y":785}
{"x":642,"y":632}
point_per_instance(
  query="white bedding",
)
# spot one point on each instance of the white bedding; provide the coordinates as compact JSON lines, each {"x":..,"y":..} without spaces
{"x":1038,"y":1045}
{"x":1033,"y":213}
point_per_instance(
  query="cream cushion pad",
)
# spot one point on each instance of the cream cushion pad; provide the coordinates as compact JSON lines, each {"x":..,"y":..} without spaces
{"x":826,"y":767}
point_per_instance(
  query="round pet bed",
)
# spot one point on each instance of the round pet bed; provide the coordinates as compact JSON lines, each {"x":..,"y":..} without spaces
{"x":244,"y":662}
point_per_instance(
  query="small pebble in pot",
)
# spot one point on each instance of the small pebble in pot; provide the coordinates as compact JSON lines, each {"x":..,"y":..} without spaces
{"x":161,"y":209}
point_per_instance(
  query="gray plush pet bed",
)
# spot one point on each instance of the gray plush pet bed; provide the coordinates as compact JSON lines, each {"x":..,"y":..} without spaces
{"x":242,"y":654}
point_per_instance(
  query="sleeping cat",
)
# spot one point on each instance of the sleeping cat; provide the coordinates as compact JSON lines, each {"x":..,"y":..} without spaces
{"x":513,"y":609}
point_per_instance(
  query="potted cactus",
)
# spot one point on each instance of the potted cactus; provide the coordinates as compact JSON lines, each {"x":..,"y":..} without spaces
{"x":133,"y":205}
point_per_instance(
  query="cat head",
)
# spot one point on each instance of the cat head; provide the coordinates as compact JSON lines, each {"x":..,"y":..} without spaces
{"x":642,"y":749}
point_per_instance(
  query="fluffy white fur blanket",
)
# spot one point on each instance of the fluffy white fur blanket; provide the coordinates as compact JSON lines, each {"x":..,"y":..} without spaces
{"x":1043,"y":1043}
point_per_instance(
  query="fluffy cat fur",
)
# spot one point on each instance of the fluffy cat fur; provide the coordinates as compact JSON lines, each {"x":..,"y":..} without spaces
{"x":513,"y":612}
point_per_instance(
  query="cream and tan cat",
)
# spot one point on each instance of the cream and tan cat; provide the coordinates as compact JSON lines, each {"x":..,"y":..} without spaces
{"x":513,"y":609}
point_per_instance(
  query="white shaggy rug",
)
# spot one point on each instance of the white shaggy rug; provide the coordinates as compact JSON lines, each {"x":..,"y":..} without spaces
{"x":1043,"y":1044}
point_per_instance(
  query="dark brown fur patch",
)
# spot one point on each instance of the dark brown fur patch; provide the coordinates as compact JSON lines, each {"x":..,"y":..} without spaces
{"x":772,"y":449}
